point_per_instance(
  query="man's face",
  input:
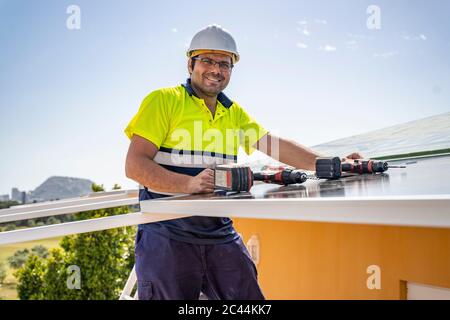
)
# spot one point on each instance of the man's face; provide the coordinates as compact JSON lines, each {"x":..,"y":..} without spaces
{"x":210,"y":80}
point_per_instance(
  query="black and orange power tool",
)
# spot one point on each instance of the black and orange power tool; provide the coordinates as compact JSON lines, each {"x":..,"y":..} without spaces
{"x":332,"y":168}
{"x":240,"y":178}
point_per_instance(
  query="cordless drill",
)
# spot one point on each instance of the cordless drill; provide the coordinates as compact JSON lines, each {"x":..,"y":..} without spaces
{"x":332,"y":168}
{"x":240,"y":178}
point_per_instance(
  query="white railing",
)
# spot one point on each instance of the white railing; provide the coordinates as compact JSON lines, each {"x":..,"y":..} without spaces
{"x":52,"y":208}
{"x":98,"y":200}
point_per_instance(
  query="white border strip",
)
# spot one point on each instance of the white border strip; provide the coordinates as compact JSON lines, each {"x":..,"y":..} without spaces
{"x":190,"y":160}
{"x":422,"y":211}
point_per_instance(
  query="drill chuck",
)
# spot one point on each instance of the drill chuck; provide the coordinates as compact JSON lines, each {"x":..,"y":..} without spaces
{"x":365,"y":166}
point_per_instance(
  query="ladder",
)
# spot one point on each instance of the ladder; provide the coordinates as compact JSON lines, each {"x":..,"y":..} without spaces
{"x":131,"y":282}
{"x":129,"y":286}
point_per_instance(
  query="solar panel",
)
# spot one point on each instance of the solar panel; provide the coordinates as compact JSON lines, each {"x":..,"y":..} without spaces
{"x":417,"y":195}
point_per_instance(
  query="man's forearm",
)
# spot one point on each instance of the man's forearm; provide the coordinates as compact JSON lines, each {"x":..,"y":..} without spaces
{"x":288,"y":152}
{"x":150,"y":174}
{"x":297,"y":155}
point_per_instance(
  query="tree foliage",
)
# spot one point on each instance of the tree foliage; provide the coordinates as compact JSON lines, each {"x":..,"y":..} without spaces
{"x":20,"y":256}
{"x":104,"y":260}
{"x":2,"y":272}
{"x":31,"y":277}
{"x":8,"y":203}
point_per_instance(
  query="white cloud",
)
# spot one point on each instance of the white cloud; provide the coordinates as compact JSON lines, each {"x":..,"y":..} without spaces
{"x":320,"y":21}
{"x":412,"y":37}
{"x":304,"y":31}
{"x":351,"y":44}
{"x":174,"y":30}
{"x":385,"y":55}
{"x":356,"y":36}
{"x":327,"y":48}
{"x":302,"y":22}
{"x":302,"y":45}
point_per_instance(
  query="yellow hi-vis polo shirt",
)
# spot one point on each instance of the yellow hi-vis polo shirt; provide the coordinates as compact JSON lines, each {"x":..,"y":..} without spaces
{"x":187,"y":134}
{"x":189,"y":139}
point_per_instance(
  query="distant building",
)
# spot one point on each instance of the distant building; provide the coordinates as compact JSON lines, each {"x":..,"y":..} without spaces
{"x":16,"y":195}
{"x":23,"y":197}
{"x":20,"y":196}
{"x":4,"y":197}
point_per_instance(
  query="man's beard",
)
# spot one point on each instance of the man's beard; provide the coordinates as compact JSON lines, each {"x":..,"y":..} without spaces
{"x":214,"y":89}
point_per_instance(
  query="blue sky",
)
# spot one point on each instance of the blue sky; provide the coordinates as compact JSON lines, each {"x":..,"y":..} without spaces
{"x":309,"y":70}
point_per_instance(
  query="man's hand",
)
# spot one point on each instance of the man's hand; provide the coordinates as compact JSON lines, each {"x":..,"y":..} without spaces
{"x":202,"y":183}
{"x":351,"y":157}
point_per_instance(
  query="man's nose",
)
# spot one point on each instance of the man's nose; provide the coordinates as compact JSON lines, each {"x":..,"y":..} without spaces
{"x":216,"y":67}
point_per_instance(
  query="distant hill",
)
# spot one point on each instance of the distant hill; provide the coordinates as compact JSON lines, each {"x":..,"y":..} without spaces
{"x":430,"y":133}
{"x":60,"y":188}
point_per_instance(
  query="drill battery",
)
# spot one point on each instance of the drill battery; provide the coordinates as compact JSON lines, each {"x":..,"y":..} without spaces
{"x":233,"y":177}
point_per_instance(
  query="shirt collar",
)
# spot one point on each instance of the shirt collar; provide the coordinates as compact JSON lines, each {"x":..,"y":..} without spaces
{"x":221,"y":97}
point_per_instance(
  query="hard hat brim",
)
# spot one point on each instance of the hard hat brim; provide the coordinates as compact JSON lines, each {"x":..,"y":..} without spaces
{"x":194,"y":53}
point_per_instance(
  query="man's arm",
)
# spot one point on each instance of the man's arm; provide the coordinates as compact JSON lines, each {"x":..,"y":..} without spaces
{"x":141,"y":168}
{"x":288,"y":152}
{"x":292,"y":153}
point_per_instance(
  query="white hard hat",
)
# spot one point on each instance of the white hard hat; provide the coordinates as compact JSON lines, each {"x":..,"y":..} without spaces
{"x":214,"y":38}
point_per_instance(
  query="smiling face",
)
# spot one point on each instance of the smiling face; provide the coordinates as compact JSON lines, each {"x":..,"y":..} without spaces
{"x":209,"y":80}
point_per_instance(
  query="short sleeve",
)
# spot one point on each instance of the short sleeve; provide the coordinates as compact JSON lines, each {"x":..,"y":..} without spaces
{"x":250,"y":131}
{"x":151,"y":121}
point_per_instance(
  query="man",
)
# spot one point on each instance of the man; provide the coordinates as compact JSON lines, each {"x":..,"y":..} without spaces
{"x":176,"y":136}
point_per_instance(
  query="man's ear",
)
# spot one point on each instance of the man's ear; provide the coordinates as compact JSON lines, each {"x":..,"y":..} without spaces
{"x":190,"y":65}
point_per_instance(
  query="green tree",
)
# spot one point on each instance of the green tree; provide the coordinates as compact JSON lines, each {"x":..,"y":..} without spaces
{"x":116,"y":187}
{"x":40,"y":251}
{"x":55,"y":277}
{"x":7,"y":204}
{"x":104,"y":259}
{"x":2,"y":273}
{"x":18,"y":259}
{"x":10,"y":227}
{"x":31,"y":223}
{"x":31,"y":275}
{"x":97,"y":187}
{"x":52,"y":220}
